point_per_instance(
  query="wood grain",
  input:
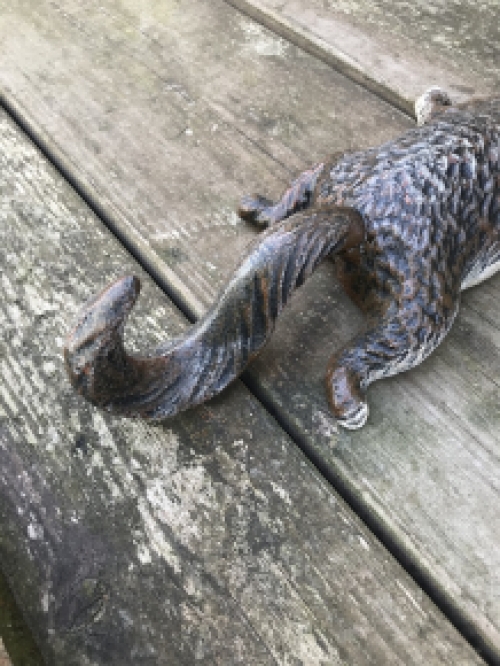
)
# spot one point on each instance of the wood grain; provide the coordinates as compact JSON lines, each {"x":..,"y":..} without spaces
{"x":208,"y":539}
{"x":397,"y":49}
{"x":173,"y":114}
{"x":118,"y":91}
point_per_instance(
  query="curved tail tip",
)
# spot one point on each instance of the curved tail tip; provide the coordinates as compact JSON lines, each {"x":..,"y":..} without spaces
{"x":117,"y":299}
{"x":106,"y":310}
{"x":99,"y":325}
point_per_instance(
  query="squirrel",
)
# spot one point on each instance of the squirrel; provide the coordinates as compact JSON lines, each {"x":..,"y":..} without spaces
{"x":410,"y":224}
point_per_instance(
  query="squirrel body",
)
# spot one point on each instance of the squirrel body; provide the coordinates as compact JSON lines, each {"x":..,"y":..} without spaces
{"x":411,"y":223}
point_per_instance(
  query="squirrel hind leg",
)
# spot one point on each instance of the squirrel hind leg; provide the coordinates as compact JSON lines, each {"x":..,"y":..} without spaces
{"x":391,"y":345}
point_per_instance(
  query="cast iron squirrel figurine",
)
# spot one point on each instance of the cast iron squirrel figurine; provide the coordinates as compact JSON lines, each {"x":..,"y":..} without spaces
{"x":411,"y":223}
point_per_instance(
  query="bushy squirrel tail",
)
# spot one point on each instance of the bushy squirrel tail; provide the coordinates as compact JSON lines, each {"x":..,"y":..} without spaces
{"x":189,"y":370}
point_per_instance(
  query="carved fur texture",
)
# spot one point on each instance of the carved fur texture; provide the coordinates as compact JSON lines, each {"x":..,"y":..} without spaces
{"x":411,"y":223}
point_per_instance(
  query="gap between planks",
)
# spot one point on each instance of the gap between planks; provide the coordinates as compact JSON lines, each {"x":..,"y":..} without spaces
{"x":479,"y":637}
{"x":322,"y":50}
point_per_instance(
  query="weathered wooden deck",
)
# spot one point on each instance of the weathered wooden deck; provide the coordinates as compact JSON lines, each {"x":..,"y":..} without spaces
{"x":212,"y":538}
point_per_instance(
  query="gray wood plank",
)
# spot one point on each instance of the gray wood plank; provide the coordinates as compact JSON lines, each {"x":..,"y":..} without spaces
{"x":397,"y":49}
{"x":210,"y":538}
{"x":175,"y":113}
{"x":428,"y":439}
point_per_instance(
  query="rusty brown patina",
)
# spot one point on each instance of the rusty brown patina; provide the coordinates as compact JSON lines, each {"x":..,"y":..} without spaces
{"x":411,"y":223}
